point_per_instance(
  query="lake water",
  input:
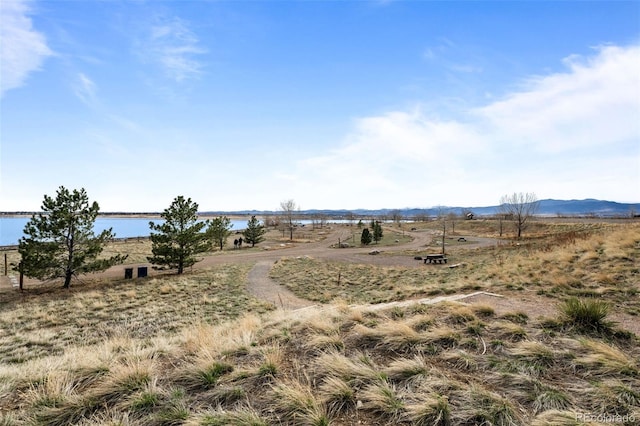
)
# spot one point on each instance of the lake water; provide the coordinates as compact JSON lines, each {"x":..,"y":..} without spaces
{"x":11,"y":227}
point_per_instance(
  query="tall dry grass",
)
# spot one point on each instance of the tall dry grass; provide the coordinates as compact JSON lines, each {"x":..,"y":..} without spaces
{"x":266,"y":370}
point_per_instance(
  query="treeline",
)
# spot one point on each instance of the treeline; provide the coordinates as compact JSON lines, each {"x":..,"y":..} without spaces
{"x":59,"y":241}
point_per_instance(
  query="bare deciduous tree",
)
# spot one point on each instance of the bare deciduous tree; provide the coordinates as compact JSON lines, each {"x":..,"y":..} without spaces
{"x":288,"y":209}
{"x":519,"y":207}
{"x":396,"y":216}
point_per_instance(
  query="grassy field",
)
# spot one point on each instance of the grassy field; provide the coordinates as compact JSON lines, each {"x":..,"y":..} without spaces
{"x":592,"y":262}
{"x":49,"y":321}
{"x":198,"y":350}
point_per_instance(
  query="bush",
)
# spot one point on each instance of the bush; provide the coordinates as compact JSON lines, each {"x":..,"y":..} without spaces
{"x":586,"y":315}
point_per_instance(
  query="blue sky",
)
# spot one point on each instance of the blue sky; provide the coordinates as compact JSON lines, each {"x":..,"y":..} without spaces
{"x":334,"y":104}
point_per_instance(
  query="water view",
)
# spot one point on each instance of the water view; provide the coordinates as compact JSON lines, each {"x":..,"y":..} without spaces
{"x":124,"y":227}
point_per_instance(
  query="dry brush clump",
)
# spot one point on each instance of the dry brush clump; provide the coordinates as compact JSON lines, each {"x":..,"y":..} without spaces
{"x":405,"y":365}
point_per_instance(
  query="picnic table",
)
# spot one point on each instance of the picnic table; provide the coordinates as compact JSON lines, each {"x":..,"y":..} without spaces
{"x":435,"y":258}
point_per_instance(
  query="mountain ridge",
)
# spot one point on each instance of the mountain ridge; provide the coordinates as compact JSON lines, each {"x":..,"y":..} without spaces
{"x":547,"y":207}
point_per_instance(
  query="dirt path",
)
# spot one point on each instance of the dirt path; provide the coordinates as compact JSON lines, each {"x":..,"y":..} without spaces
{"x":261,"y":286}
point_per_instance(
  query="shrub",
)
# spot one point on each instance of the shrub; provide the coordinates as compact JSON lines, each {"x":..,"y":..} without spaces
{"x":586,"y":315}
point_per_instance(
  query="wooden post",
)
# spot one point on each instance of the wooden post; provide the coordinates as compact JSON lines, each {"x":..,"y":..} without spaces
{"x":21,"y":275}
{"x":5,"y":264}
{"x":444,"y":230}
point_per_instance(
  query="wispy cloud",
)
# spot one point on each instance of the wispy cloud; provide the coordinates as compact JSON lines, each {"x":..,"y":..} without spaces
{"x":579,"y":125}
{"x":451,"y":56}
{"x":85,"y":89}
{"x":22,"y":49}
{"x":172,"y":45}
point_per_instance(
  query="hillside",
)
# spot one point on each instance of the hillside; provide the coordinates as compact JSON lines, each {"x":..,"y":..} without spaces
{"x":175,"y":350}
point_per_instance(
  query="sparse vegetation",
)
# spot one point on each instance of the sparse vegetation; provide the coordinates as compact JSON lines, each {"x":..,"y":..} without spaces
{"x":596,"y":261}
{"x":196,"y":349}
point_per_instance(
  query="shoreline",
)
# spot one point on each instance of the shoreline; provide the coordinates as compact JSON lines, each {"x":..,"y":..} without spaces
{"x":151,"y":215}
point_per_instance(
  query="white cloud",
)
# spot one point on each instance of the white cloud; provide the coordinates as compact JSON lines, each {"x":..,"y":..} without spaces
{"x":172,"y":45}
{"x":595,"y":103}
{"x":563,"y":135}
{"x":22,"y":49}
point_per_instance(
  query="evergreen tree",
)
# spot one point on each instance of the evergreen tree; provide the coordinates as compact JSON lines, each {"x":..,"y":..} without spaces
{"x":377,"y":232}
{"x":254,"y":232}
{"x":365,"y":238}
{"x":60,"y":241}
{"x":178,"y":239}
{"x":219,"y":230}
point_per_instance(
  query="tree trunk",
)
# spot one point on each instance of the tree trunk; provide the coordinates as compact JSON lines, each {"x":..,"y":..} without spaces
{"x":180,"y":268}
{"x":67,"y":278}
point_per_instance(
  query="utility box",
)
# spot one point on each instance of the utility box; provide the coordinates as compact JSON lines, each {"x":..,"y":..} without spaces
{"x":128,"y":273}
{"x":142,"y":271}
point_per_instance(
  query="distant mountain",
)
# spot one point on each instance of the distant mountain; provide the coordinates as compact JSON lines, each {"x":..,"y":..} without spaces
{"x":548,"y":207}
{"x":588,"y":207}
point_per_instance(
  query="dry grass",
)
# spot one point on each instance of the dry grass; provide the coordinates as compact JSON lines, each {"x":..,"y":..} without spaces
{"x":197,"y":350}
{"x":600,"y":358}
{"x":38,"y":325}
{"x":275,"y":370}
{"x":574,"y":260}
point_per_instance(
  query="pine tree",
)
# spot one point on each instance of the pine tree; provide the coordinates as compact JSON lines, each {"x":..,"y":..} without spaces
{"x":219,"y":230}
{"x":377,"y":232}
{"x":60,"y":241}
{"x":365,"y":238}
{"x":254,"y":232}
{"x":179,"y":238}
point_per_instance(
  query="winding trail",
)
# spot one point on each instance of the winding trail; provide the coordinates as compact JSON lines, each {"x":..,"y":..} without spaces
{"x":261,"y":286}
